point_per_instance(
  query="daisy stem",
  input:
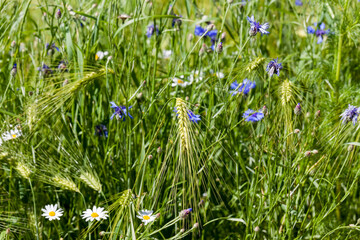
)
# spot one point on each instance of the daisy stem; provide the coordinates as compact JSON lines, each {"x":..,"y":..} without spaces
{"x":36,"y":225}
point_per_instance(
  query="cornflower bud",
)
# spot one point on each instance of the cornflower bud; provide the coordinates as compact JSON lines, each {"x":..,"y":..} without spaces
{"x":297,"y":109}
{"x":58,"y":14}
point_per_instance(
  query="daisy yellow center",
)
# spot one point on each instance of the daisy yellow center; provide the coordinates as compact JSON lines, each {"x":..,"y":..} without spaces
{"x":146,"y":217}
{"x":52,"y":213}
{"x":14,"y":136}
{"x":180,"y":81}
{"x":94,"y":215}
{"x":96,"y":57}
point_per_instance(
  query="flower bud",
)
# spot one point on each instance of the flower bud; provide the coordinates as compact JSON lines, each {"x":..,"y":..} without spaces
{"x":307,"y":115}
{"x":252,"y":32}
{"x":159,"y":150}
{"x":307,"y":153}
{"x":350,"y":147}
{"x":317,"y":114}
{"x":314,"y":151}
{"x":210,"y":27}
{"x":66,"y":81}
{"x":139,"y":96}
{"x":190,"y":37}
{"x":31,"y":93}
{"x":223,"y":35}
{"x":150,"y":157}
{"x":13,"y":44}
{"x":196,"y":225}
{"x":257,"y":229}
{"x":182,"y":230}
{"x":219,"y":47}
{"x":102,"y":233}
{"x":14,"y":70}
{"x":202,"y":50}
{"x":58,"y":14}
{"x":124,"y":17}
{"x":184,"y":213}
{"x":297,"y":109}
{"x":297,"y":131}
{"x":8,"y":231}
{"x":157,"y":215}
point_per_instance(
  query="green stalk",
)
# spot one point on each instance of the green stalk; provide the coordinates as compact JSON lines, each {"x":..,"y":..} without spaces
{"x":36,"y":224}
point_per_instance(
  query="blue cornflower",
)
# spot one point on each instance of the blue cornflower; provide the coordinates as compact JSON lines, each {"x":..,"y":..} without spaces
{"x":252,"y":116}
{"x":62,"y":66}
{"x":151,"y":29}
{"x":273,"y":66}
{"x":350,"y":114}
{"x":176,"y":21}
{"x":14,"y":70}
{"x":120,"y":112}
{"x":212,"y":34}
{"x":244,"y":88}
{"x":199,"y":31}
{"x":101,"y":130}
{"x":319,"y":32}
{"x":298,"y":3}
{"x":192,"y":117}
{"x":256,"y":27}
{"x":50,"y":48}
{"x":45,"y":70}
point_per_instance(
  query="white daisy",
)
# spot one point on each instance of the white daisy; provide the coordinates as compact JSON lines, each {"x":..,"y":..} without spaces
{"x":100,"y":55}
{"x":14,"y":133}
{"x":196,"y":76}
{"x":52,"y":212}
{"x":180,"y":82}
{"x":95,"y":213}
{"x":167,"y":54}
{"x":217,"y":74}
{"x":146,"y":216}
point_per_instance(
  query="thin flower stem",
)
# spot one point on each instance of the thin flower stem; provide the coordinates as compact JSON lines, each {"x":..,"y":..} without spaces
{"x":34,"y":202}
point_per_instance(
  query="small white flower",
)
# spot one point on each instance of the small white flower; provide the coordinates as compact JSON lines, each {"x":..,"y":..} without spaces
{"x":14,"y":133}
{"x":146,"y":216}
{"x":180,"y":82}
{"x":95,"y":213}
{"x":100,"y":55}
{"x":217,"y":74}
{"x":167,"y":54}
{"x":196,"y":76}
{"x":52,"y":212}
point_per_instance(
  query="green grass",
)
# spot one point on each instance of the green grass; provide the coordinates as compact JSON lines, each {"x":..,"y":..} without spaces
{"x":243,"y":180}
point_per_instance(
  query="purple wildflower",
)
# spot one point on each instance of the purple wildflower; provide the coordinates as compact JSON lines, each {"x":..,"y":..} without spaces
{"x":273,"y":66}
{"x":298,"y":3}
{"x":101,"y":130}
{"x":256,"y":27}
{"x":318,"y":32}
{"x":350,"y":115}
{"x":120,"y":112}
{"x":151,"y":29}
{"x":176,"y":21}
{"x":199,"y":31}
{"x":50,"y":48}
{"x":192,"y":116}
{"x":252,"y":116}
{"x":244,"y":87}
{"x":45,"y":70}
